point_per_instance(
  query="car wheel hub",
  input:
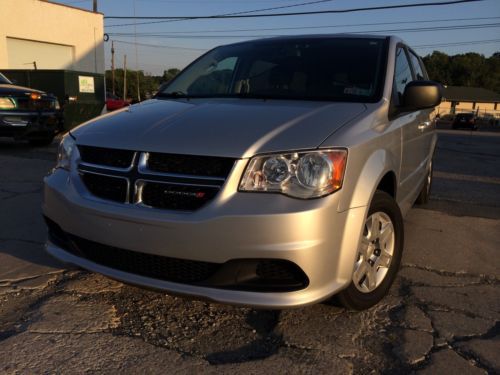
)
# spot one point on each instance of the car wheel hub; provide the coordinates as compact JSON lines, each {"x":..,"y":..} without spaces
{"x":375,"y":252}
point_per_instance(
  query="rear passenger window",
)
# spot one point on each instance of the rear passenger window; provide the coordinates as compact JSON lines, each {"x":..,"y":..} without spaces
{"x":402,"y":73}
{"x":419,"y":74}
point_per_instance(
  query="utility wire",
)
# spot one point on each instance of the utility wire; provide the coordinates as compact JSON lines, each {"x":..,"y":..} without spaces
{"x":234,"y":13}
{"x":332,"y":11}
{"x":280,"y":7}
{"x":159,"y":46}
{"x":399,"y":30}
{"x":316,"y":27}
{"x":418,"y":46}
{"x":453,"y":44}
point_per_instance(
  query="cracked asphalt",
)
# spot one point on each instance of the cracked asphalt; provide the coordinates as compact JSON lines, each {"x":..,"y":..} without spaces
{"x":442,"y":315}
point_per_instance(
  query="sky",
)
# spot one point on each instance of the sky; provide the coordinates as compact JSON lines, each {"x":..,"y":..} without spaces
{"x":176,"y":44}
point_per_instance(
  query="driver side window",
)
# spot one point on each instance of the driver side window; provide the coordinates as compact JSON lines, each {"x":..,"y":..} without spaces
{"x":216,"y":78}
{"x":402,"y":74}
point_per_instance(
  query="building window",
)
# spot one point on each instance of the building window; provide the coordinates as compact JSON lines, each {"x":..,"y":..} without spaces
{"x":496,"y":106}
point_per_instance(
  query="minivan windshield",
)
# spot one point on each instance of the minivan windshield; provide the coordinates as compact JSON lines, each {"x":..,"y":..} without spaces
{"x":337,"y":69}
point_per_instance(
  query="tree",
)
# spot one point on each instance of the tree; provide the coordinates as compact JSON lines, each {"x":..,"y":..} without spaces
{"x":169,"y":74}
{"x":468,"y":69}
{"x":148,"y":84}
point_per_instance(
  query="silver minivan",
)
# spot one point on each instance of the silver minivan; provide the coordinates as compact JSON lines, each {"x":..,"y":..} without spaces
{"x":271,"y":173}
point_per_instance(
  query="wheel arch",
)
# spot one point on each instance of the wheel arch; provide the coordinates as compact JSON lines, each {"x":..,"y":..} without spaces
{"x":378,"y":171}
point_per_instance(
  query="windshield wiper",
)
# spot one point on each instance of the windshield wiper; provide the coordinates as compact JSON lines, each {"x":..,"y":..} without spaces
{"x":174,"y":94}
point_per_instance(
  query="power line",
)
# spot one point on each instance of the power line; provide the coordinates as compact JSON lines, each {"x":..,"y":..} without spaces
{"x":399,"y":30}
{"x":234,"y":13}
{"x":280,"y":7}
{"x":317,"y":27}
{"x":332,"y":11}
{"x":421,"y":46}
{"x":453,"y":44}
{"x":159,"y":46}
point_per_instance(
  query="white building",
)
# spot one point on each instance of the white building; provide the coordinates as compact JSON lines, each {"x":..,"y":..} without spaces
{"x":50,"y":35}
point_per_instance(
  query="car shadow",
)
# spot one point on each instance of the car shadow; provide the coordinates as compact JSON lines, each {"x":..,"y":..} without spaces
{"x":267,"y":343}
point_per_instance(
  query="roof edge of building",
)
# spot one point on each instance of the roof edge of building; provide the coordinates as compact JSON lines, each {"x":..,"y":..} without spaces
{"x":71,"y":7}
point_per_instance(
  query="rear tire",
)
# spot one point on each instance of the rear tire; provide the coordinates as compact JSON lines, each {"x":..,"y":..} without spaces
{"x":379,"y":254}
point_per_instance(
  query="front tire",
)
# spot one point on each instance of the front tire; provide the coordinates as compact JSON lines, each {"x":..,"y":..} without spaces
{"x":379,"y":254}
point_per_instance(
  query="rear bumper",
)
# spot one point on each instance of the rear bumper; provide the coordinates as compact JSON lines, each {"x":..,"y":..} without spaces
{"x":311,"y":234}
{"x":30,"y":125}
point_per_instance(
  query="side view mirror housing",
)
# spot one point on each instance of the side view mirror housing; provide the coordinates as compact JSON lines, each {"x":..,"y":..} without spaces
{"x":421,"y":95}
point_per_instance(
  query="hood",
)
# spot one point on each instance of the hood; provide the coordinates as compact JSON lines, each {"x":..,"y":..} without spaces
{"x":6,"y":88}
{"x":235,"y":128}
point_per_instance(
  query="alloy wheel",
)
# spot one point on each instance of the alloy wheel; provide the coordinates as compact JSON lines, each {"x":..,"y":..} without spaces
{"x":375,"y":252}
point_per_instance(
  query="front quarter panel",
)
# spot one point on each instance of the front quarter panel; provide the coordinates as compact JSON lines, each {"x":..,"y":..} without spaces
{"x":374,"y":149}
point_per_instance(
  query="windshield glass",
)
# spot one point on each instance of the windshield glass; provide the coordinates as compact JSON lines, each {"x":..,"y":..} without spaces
{"x":339,"y":69}
{"x":4,"y":79}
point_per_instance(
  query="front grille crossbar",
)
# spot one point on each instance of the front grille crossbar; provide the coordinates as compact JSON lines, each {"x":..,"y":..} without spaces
{"x":126,"y":177}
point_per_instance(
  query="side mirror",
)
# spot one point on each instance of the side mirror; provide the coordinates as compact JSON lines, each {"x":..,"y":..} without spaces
{"x":421,"y":95}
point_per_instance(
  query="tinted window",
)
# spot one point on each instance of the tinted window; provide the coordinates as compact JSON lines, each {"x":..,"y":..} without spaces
{"x":402,"y":73}
{"x":419,"y":74}
{"x":346,"y":69}
{"x":465,"y":115}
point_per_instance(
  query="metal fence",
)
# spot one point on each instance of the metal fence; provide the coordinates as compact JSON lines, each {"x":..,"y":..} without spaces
{"x":480,"y":113}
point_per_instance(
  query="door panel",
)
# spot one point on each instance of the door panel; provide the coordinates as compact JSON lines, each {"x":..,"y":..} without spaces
{"x":426,"y":118}
{"x":412,"y":138}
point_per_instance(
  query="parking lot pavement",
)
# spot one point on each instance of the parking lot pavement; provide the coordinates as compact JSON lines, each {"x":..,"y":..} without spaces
{"x":442,"y":314}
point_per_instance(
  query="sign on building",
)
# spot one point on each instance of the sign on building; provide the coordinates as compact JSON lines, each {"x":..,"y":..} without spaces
{"x":86,"y":84}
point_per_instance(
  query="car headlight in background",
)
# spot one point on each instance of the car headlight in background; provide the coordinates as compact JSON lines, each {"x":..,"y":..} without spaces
{"x":309,"y":174}
{"x":7,"y":103}
{"x":66,"y":151}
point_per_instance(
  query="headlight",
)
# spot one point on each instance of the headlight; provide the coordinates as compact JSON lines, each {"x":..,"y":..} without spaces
{"x":67,"y":148}
{"x":7,"y":103}
{"x":310,"y":174}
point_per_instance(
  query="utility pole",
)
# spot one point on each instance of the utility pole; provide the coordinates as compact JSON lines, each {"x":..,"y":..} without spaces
{"x":113,"y":66}
{"x":94,"y":6}
{"x":125,"y":77}
{"x":136,"y":59}
{"x":138,"y":88}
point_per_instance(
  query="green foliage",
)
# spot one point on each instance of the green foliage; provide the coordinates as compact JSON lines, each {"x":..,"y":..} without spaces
{"x":469,"y":69}
{"x":148,"y":84}
{"x":169,"y":74}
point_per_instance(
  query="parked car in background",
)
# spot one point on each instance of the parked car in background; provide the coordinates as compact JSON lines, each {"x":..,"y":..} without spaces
{"x":113,"y":102}
{"x":489,"y":119}
{"x":272,"y":173}
{"x":28,"y":114}
{"x":447,"y":117}
{"x":465,"y":121}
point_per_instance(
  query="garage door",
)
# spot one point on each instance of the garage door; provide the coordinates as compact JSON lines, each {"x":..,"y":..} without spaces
{"x":21,"y":54}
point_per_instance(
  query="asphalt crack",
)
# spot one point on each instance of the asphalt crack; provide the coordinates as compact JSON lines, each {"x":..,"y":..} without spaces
{"x":30,"y":301}
{"x":483,"y":278}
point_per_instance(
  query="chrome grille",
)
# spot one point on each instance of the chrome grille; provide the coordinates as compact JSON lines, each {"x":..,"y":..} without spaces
{"x":167,"y":183}
{"x":106,"y":156}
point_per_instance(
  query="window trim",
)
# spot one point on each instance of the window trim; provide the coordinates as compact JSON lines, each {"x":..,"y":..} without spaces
{"x":393,"y":107}
{"x":420,"y":63}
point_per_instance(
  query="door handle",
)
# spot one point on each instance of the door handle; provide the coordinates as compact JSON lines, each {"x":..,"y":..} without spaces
{"x":424,"y":125}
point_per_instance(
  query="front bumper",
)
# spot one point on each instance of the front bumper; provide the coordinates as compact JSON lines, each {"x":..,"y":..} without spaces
{"x":312,"y":234}
{"x":30,"y":125}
